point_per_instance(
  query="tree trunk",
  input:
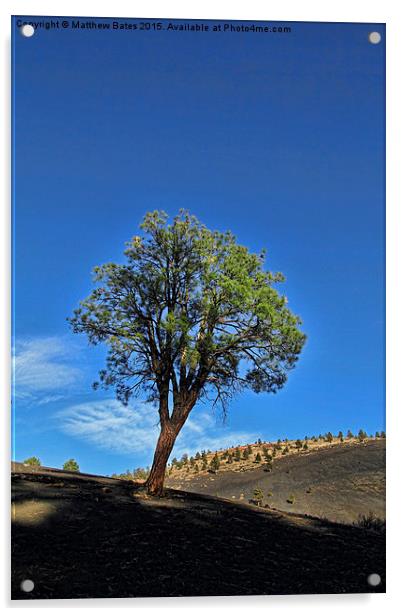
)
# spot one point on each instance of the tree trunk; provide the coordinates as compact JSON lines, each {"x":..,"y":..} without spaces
{"x":164,"y":446}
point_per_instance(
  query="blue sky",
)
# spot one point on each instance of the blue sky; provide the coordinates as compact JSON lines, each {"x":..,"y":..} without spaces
{"x":277,"y":137}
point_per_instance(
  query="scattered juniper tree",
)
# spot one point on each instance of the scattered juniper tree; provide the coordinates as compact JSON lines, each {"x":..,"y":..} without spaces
{"x":305,"y":445}
{"x":258,"y":458}
{"x":140,"y":473}
{"x":349,"y":434}
{"x":298,"y":444}
{"x":71,"y":465}
{"x":362,"y":435}
{"x":258,"y":495}
{"x":33,"y":461}
{"x":191,"y":314}
{"x":329,"y":438}
{"x":215,"y":463}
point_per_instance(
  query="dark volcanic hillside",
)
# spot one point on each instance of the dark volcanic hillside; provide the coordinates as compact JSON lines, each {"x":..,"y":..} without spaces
{"x":78,"y":536}
{"x":338,"y":482}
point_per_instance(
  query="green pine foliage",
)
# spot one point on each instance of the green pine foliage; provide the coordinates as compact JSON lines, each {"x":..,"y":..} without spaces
{"x":258,"y":496}
{"x":33,"y":461}
{"x":215,"y":463}
{"x":71,"y":465}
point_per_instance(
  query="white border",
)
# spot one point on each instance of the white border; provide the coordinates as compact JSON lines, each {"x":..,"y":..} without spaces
{"x":291,"y":10}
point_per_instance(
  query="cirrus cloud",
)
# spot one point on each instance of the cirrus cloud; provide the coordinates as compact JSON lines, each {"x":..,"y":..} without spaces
{"x":133,"y":429}
{"x":43,"y":369}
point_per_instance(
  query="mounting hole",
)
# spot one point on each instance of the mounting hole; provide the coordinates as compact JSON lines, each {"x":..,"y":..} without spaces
{"x":374,"y":38}
{"x":27,"y":30}
{"x":374,"y":579}
{"x":27,"y":585}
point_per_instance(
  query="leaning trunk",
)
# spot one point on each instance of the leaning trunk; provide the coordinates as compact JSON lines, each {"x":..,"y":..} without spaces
{"x":164,"y":446}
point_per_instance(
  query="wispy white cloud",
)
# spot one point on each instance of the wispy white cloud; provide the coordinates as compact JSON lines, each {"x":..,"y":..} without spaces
{"x":109,"y":425}
{"x":45,"y":372}
{"x":43,"y":369}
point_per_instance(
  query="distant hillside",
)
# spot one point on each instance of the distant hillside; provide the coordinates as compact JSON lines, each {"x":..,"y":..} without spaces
{"x":337,"y":481}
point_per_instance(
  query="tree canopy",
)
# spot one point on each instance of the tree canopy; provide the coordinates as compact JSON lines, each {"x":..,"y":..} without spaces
{"x":191,"y":310}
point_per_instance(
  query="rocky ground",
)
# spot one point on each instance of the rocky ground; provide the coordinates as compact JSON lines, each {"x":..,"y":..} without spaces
{"x":80,"y":536}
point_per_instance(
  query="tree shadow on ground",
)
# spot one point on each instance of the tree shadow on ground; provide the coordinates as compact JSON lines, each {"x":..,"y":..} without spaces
{"x":81,"y":537}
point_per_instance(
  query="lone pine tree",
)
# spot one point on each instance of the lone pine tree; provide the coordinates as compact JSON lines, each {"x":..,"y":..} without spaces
{"x":191,"y":314}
